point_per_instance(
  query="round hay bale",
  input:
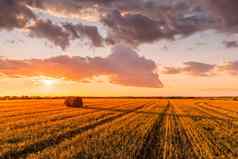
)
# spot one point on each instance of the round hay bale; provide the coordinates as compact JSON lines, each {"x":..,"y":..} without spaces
{"x":74,"y":102}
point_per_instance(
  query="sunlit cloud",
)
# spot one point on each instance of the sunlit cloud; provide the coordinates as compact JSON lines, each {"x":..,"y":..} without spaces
{"x":123,"y":66}
{"x":88,"y":14}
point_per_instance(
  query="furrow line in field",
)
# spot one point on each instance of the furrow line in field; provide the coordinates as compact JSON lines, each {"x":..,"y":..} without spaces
{"x":40,"y":145}
{"x":56,"y":123}
{"x":180,"y":147}
{"x":98,"y":142}
{"x":153,"y":138}
{"x":218,"y":110}
{"x":12,"y":111}
{"x":52,"y":119}
{"x":19,"y":121}
{"x":199,"y":143}
{"x":35,"y":110}
{"x":21,"y":140}
{"x":62,"y":116}
{"x":14,"y":138}
{"x":219,"y":149}
{"x":15,"y":106}
{"x":165,"y":149}
{"x":41,"y":114}
{"x":217,"y":116}
{"x":219,"y":107}
{"x":222,"y":114}
{"x":31,"y":112}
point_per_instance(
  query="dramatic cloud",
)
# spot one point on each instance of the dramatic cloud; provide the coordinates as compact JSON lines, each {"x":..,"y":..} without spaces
{"x":155,"y":21}
{"x":53,"y":33}
{"x":134,"y":28}
{"x":150,"y":8}
{"x":123,"y":66}
{"x":192,"y":68}
{"x":16,"y":14}
{"x":227,"y":10}
{"x":131,"y":21}
{"x":127,"y":21}
{"x":85,"y":31}
{"x":62,"y":35}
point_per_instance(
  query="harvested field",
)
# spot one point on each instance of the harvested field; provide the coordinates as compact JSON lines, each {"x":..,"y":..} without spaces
{"x":119,"y":129}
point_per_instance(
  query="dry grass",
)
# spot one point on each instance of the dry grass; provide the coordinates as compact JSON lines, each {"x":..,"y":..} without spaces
{"x":119,"y":128}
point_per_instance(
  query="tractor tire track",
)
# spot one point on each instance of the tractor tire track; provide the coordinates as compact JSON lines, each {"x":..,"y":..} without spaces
{"x":152,"y":140}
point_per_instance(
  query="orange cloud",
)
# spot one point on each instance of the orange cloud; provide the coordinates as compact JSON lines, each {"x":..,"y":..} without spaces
{"x":123,"y":66}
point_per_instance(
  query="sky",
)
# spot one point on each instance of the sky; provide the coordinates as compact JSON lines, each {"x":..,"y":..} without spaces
{"x":119,"y":47}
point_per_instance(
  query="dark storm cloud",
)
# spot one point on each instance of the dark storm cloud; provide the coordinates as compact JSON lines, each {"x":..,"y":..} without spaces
{"x":62,"y":35}
{"x":53,"y":33}
{"x":134,"y":28}
{"x":133,"y":21}
{"x":137,"y":28}
{"x":227,"y":10}
{"x":16,"y":15}
{"x":136,"y":21}
{"x":123,"y":66}
{"x":85,"y":31}
{"x":150,"y":8}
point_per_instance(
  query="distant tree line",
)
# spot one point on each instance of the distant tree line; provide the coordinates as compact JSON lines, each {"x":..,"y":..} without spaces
{"x":121,"y":97}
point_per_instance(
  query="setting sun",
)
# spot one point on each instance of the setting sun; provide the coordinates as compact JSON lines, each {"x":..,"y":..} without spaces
{"x":48,"y":82}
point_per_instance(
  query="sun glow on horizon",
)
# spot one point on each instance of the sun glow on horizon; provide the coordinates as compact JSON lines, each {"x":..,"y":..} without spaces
{"x":47,"y":81}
